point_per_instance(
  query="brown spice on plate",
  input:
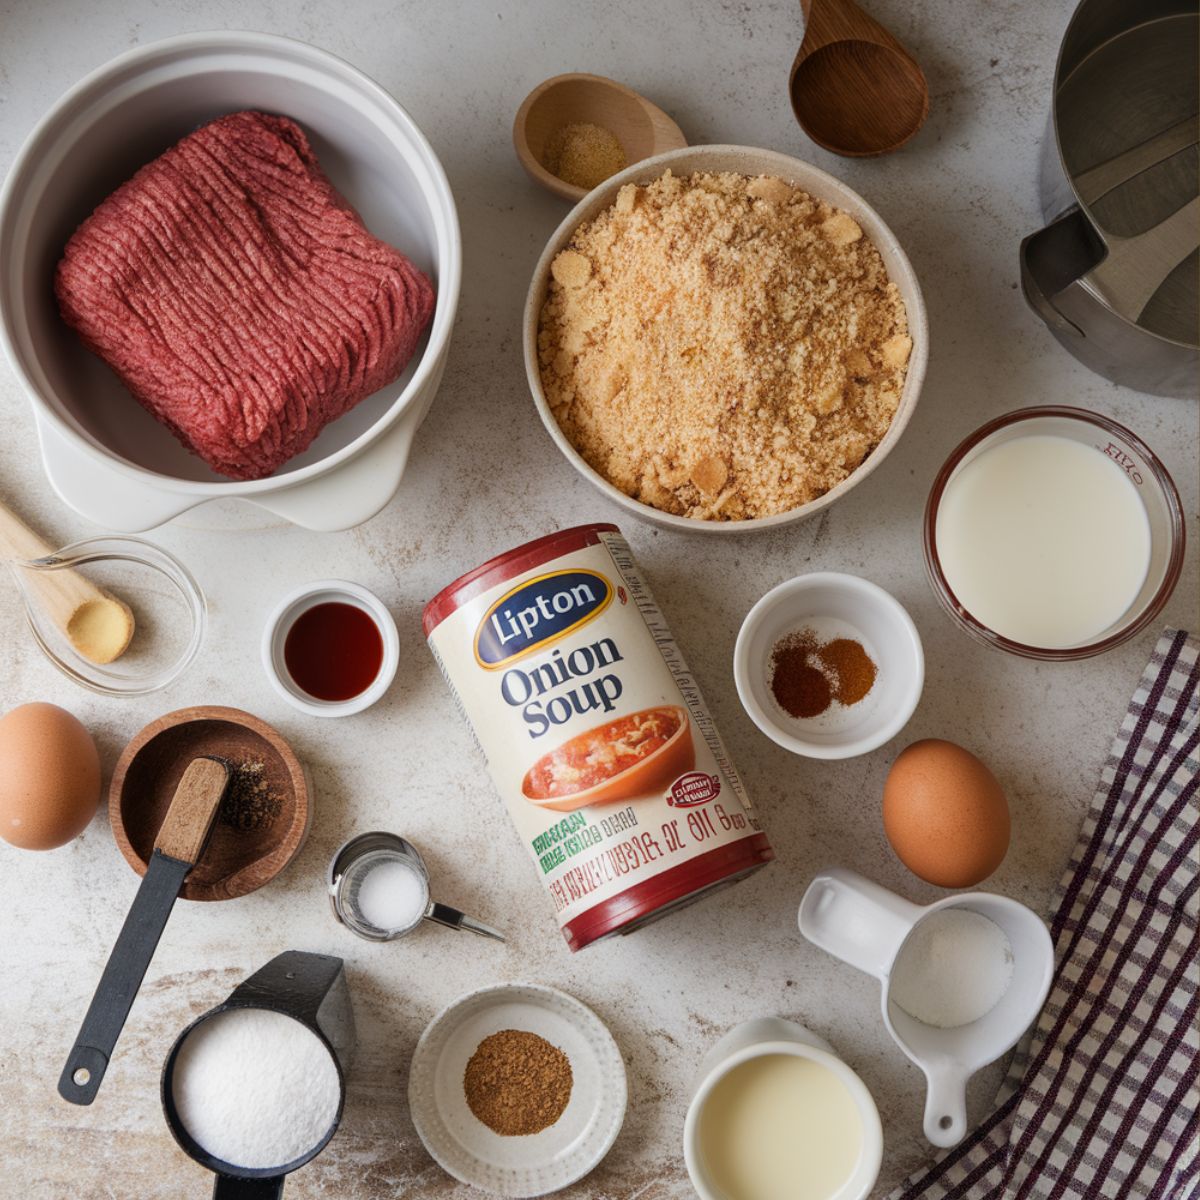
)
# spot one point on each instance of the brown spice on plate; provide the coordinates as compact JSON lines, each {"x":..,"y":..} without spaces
{"x":722,"y":347}
{"x":517,"y":1083}
{"x":249,"y":802}
{"x":584,"y":154}
{"x":807,"y":676}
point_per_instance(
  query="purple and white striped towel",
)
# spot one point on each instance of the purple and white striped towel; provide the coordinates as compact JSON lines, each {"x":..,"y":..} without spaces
{"x":1101,"y":1097}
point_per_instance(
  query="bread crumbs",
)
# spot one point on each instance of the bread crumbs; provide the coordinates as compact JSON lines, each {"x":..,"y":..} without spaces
{"x":722,"y":347}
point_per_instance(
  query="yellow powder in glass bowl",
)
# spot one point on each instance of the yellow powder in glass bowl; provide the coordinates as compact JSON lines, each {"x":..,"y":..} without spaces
{"x":584,"y":155}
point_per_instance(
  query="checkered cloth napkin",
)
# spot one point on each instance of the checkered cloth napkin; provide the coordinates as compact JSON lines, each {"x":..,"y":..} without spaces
{"x":1101,"y":1098}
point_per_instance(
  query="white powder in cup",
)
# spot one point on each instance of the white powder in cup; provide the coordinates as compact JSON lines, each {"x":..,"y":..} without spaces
{"x":391,"y":895}
{"x":954,"y":968}
{"x":255,"y":1088}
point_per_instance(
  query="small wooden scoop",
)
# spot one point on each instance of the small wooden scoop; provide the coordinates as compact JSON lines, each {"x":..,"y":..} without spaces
{"x":855,"y":89}
{"x":642,"y":128}
{"x":97,"y":624}
{"x":177,"y":849}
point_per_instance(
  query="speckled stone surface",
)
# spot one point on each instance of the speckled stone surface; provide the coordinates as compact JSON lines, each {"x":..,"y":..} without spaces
{"x":484,"y":477}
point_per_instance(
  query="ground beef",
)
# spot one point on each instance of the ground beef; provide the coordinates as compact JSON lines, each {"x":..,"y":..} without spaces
{"x":240,"y":299}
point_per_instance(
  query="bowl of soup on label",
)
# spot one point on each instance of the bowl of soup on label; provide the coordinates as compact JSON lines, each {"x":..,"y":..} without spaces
{"x":1053,"y":533}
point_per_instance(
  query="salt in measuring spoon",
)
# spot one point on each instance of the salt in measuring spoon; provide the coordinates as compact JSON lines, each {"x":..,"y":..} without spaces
{"x":379,"y":889}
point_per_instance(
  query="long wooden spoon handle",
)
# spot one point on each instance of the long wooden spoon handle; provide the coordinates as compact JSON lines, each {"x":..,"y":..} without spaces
{"x":17,"y":540}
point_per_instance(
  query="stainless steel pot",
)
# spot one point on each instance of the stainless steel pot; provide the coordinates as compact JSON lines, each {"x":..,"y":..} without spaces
{"x":1114,"y":273}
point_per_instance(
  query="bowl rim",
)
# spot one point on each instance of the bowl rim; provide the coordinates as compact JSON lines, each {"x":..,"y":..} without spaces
{"x":801,"y":174}
{"x":283,"y":854}
{"x":447,"y":284}
{"x":958,"y":612}
{"x":796,"y":743}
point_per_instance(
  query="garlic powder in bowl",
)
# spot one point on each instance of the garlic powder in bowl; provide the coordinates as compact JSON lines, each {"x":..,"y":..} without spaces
{"x":723,"y":346}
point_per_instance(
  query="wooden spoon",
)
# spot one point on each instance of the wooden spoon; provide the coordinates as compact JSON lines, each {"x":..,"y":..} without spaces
{"x":855,"y":89}
{"x":96,"y":623}
{"x":642,"y":128}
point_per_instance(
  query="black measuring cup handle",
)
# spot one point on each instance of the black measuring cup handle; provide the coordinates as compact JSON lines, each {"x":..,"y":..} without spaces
{"x":237,"y":1187}
{"x":295,"y":982}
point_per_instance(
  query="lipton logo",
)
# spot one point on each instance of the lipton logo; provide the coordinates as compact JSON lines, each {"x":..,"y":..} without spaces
{"x":538,"y":612}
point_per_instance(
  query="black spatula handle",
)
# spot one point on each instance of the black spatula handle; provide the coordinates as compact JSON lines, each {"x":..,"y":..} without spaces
{"x":118,"y":986}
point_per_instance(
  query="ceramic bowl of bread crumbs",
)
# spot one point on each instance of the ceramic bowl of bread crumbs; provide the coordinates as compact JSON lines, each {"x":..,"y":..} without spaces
{"x":656,"y":296}
{"x":829,"y":665}
{"x":572,"y":132}
{"x":264,"y":815}
{"x":519,"y":1089}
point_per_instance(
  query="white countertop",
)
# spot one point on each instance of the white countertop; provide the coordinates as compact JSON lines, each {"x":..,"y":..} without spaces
{"x":485,"y":477}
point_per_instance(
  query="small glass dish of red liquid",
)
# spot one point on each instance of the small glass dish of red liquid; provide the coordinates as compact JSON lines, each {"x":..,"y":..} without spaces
{"x":331,"y":648}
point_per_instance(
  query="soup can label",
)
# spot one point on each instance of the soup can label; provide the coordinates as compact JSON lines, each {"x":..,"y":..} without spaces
{"x":594,"y":730}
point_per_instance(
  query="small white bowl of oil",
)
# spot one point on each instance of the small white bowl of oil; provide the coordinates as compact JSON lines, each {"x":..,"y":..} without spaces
{"x":775,"y":1105}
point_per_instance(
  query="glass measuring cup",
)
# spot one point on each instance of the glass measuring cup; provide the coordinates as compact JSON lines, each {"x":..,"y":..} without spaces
{"x":867,"y":926}
{"x":308,"y":988}
{"x":379,"y":853}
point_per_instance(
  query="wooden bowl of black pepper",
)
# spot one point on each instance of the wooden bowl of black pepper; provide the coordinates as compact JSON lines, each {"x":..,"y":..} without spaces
{"x":264,"y":816}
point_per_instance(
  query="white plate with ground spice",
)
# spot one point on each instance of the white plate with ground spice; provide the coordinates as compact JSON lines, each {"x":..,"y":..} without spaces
{"x":518,"y":1088}
{"x":724,"y":339}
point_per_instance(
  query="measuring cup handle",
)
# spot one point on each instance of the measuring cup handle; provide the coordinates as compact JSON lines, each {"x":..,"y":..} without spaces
{"x":856,"y":920}
{"x":234,"y":1187}
{"x":945,"y":1120}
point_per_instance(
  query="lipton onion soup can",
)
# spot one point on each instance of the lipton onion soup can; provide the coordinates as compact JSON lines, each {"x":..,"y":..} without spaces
{"x":595,"y":732}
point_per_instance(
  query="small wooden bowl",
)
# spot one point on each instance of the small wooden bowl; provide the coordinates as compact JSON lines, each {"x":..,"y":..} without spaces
{"x":251,"y":843}
{"x":642,"y":128}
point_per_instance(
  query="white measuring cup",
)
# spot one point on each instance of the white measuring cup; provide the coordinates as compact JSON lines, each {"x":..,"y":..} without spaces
{"x":867,"y":926}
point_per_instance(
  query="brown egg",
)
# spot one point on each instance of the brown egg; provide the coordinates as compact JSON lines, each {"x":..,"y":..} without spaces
{"x":945,"y":815}
{"x":49,"y":777}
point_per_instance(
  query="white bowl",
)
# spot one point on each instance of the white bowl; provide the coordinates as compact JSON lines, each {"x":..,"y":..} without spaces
{"x":538,"y":1163}
{"x":863,"y":611}
{"x":105,"y":455}
{"x":283,"y":617}
{"x":746,"y":161}
{"x":758,"y":1038}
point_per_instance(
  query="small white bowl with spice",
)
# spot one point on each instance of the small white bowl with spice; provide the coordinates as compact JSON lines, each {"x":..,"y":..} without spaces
{"x":829,"y":665}
{"x":518,"y":1089}
{"x":331,"y":648}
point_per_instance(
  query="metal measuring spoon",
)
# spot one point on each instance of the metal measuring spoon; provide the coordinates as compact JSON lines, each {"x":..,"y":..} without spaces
{"x":367,"y":852}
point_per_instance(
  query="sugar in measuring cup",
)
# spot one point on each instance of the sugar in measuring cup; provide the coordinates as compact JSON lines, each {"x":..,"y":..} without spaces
{"x":379,"y":889}
{"x":976,"y":968}
{"x":255,"y":1087}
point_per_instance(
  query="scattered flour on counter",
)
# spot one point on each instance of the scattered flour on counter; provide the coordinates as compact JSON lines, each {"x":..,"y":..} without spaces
{"x":954,"y":968}
{"x":255,"y":1088}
